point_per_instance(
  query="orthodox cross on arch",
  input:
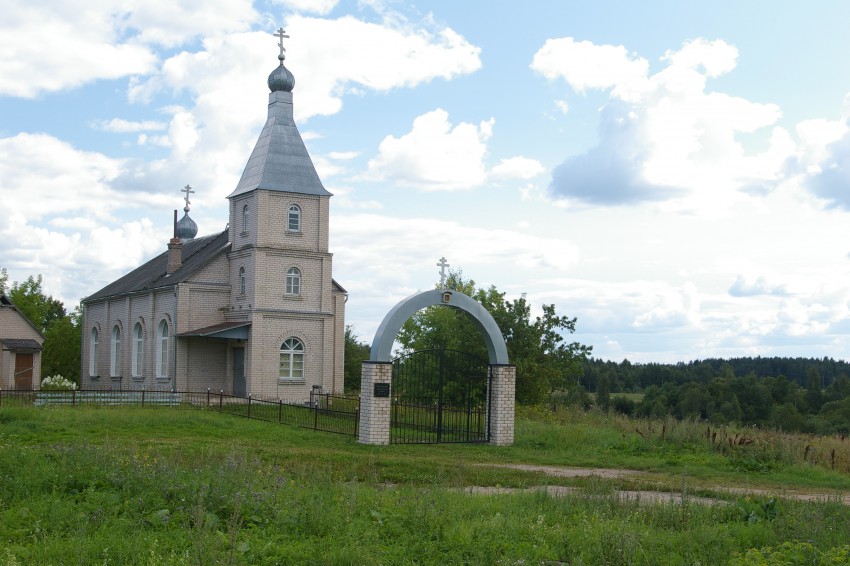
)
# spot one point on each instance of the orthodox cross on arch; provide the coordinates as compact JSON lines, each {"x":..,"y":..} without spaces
{"x":281,"y":34}
{"x":442,"y":265}
{"x":188,"y":190}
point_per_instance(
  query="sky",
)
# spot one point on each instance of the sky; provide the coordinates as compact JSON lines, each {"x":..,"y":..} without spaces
{"x":675,"y":175}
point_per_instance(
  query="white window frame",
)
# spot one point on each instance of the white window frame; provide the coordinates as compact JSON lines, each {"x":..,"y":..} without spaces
{"x":94,"y":340}
{"x":162,"y":349}
{"x":293,"y":218}
{"x":246,"y":215}
{"x":293,"y":281}
{"x":115,"y":352}
{"x":138,"y":350}
{"x":292,"y":360}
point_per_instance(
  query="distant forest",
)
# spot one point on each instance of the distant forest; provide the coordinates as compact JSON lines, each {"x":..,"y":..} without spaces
{"x":794,"y":394}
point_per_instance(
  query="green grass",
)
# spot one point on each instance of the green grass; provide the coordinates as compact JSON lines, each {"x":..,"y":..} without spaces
{"x":168,"y":486}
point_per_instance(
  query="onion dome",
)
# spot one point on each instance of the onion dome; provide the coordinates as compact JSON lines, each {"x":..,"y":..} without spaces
{"x":186,"y":227}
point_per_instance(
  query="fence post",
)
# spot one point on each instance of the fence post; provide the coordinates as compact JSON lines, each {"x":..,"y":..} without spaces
{"x":73,"y":397}
{"x":356,"y":420}
{"x":315,"y":415}
{"x":220,"y":399}
{"x":279,"y":410}
{"x":1,"y":396}
{"x":143,"y":397}
{"x":208,"y":397}
{"x":249,"y":405}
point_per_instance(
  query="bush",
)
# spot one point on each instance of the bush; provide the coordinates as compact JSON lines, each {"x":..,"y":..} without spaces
{"x":57,"y":383}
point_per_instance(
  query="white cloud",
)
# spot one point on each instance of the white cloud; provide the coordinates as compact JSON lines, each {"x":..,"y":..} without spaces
{"x":121,"y":126}
{"x":664,"y":135}
{"x":346,"y":54}
{"x":320,"y":7}
{"x":53,"y":45}
{"x":518,"y":168}
{"x":434,"y":155}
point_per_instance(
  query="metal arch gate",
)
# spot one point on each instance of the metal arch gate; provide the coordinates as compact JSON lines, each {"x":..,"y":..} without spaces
{"x":440,"y":396}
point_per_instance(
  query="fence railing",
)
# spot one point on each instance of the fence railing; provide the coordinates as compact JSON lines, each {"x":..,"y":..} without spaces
{"x":323,"y":411}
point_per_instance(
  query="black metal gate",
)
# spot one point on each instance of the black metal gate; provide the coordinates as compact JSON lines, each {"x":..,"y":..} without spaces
{"x":439,"y":396}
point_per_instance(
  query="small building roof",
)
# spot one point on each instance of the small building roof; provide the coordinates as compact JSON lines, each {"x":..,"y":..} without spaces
{"x":237,"y":329}
{"x":196,"y":254}
{"x":17,"y":344}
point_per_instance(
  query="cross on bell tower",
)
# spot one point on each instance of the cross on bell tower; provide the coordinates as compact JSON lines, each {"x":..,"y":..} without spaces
{"x":442,"y":265}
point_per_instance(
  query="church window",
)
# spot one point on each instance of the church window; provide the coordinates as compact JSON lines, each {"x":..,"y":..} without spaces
{"x":162,"y":351}
{"x":245,"y":213}
{"x":292,"y":359}
{"x":138,"y":350}
{"x":293,"y":281}
{"x":241,"y":280}
{"x":115,"y":357}
{"x":294,"y":219}
{"x":93,"y":343}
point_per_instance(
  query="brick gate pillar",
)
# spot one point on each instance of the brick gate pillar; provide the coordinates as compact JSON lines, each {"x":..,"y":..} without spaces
{"x":502,"y":402}
{"x":375,"y":409}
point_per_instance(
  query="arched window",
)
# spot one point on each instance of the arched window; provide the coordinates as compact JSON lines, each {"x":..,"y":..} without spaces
{"x":115,"y":352}
{"x":292,"y":359}
{"x":294,"y":221}
{"x":245,"y":214}
{"x":293,"y":281}
{"x":93,"y":343}
{"x":162,"y":350}
{"x":241,"y":280}
{"x":138,"y":350}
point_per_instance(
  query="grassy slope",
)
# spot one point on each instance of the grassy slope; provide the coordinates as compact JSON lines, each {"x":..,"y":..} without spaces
{"x":164,"y":486}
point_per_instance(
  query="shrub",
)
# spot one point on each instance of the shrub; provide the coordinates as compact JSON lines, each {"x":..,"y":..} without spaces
{"x":57,"y":383}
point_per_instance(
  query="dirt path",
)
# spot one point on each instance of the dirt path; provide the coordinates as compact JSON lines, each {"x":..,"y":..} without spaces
{"x":647,"y":496}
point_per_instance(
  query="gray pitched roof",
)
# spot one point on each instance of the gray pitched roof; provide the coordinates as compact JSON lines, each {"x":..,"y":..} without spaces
{"x":280,"y":161}
{"x":196,"y":254}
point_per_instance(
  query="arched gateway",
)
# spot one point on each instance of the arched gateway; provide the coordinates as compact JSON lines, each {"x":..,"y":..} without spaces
{"x":496,"y":391}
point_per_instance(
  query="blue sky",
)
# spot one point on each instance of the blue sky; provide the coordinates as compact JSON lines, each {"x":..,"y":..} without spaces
{"x":674,"y":174}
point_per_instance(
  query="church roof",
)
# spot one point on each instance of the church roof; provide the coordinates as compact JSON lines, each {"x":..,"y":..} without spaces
{"x":280,"y":161}
{"x":196,"y":254}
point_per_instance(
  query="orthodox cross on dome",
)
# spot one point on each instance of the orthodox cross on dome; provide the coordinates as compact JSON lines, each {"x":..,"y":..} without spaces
{"x":188,"y":190}
{"x":442,"y":265}
{"x":281,"y":34}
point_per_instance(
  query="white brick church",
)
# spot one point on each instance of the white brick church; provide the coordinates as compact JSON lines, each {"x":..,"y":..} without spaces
{"x":251,"y":310}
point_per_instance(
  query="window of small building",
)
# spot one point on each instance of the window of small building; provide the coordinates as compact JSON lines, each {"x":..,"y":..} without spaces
{"x":292,"y":359}
{"x":294,"y":218}
{"x":241,"y":280}
{"x":138,"y":350}
{"x":293,"y":281}
{"x":245,"y":217}
{"x":162,"y":350}
{"x":93,"y":344}
{"x":115,"y":352}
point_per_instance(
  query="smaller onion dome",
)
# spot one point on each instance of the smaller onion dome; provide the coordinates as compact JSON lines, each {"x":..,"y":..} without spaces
{"x":186,"y":227}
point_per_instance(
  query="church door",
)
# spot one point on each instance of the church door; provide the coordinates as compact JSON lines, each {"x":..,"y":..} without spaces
{"x":23,"y":371}
{"x":239,"y":372}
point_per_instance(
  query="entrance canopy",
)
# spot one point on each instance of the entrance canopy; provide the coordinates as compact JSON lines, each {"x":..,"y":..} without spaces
{"x":391,"y":325}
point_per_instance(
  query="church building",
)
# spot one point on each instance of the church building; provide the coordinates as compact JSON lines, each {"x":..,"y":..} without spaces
{"x":251,"y":310}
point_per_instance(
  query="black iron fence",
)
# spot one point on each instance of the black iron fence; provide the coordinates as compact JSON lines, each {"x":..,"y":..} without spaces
{"x":323,"y":411}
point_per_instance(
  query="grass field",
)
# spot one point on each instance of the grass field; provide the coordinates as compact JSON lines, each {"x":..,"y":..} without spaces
{"x":165,"y":486}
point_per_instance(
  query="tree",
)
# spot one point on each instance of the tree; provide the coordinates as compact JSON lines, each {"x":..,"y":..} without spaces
{"x":29,"y":298}
{"x":544,"y":360}
{"x":4,"y":277}
{"x":355,"y":353}
{"x":62,"y":343}
{"x":603,"y":392}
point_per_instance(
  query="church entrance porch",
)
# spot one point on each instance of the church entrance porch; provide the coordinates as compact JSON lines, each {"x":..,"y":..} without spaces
{"x":439,"y":396}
